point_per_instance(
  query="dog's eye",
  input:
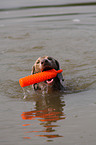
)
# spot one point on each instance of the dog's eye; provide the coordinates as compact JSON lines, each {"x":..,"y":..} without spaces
{"x":38,"y":61}
{"x":49,"y":58}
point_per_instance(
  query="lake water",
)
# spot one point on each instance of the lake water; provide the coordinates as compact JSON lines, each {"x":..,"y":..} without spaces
{"x":65,"y":30}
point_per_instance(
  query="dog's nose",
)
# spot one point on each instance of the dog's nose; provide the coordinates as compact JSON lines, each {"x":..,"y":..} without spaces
{"x":44,"y":61}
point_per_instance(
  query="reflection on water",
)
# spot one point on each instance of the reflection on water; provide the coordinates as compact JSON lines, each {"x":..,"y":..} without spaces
{"x":48,"y":110}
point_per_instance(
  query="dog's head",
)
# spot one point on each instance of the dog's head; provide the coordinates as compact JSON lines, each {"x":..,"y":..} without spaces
{"x":47,"y":63}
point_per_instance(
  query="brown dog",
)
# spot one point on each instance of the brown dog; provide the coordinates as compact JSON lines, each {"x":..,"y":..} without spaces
{"x":46,"y":63}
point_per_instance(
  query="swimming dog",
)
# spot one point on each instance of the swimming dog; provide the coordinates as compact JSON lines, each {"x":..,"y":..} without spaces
{"x":46,"y":63}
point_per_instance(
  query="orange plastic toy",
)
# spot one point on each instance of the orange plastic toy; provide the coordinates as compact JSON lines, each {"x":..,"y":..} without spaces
{"x":38,"y":77}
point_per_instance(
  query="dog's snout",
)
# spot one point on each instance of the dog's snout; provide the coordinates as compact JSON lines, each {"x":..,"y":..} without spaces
{"x":44,"y":61}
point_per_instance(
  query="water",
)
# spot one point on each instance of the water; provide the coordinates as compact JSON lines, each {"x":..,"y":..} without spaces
{"x":65,"y":30}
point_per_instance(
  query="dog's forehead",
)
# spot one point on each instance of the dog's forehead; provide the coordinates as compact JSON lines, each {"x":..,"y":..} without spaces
{"x":41,"y":58}
{"x":45,"y":57}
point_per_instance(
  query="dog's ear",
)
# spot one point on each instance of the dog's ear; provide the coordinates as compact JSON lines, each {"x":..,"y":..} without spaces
{"x":33,"y":70}
{"x":60,"y":76}
{"x":57,"y":63}
{"x":61,"y":79}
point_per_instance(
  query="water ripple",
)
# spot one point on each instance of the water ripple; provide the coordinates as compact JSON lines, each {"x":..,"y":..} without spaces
{"x":49,"y":6}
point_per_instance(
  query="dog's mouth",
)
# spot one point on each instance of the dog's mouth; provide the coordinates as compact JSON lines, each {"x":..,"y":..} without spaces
{"x":49,"y":81}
